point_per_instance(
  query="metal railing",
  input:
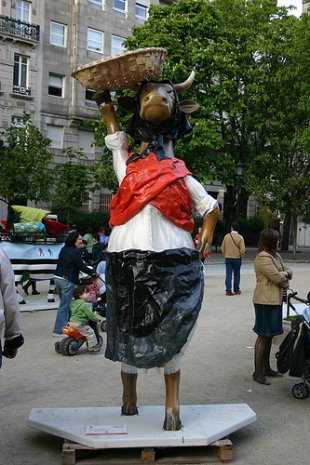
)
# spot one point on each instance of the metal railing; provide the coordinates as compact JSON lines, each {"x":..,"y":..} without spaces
{"x":16,"y":28}
{"x":21,"y":90}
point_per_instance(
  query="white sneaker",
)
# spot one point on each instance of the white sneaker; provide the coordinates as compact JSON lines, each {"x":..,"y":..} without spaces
{"x":57,"y":335}
{"x":94,"y":348}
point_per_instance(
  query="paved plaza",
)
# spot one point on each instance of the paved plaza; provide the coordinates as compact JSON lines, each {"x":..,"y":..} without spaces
{"x":216,"y":369}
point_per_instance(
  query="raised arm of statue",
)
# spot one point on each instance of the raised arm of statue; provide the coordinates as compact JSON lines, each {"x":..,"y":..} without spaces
{"x":107,"y":111}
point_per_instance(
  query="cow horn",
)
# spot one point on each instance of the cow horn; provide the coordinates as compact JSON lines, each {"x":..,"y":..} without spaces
{"x":183,"y":86}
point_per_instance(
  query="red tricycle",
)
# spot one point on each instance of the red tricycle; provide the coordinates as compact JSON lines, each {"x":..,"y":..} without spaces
{"x":70,"y":345}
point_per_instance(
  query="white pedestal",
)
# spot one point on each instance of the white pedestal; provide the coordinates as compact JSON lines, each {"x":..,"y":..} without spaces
{"x":202,"y":425}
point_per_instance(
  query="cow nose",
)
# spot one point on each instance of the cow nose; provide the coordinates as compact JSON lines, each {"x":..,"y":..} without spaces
{"x":147,"y":98}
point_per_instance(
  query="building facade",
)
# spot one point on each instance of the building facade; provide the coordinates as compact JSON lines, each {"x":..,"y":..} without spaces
{"x":41,"y":43}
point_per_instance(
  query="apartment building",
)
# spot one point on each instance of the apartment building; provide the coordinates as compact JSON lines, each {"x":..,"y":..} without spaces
{"x":305,"y":6}
{"x":41,"y":43}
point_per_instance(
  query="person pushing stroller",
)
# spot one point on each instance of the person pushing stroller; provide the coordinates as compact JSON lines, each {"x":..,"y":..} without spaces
{"x":81,"y":317}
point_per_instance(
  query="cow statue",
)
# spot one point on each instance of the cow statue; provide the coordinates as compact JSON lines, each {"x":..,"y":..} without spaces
{"x":154,"y":274}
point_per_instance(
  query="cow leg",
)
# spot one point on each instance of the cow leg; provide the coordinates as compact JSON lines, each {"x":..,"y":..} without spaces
{"x":172,"y":409}
{"x":129,"y":381}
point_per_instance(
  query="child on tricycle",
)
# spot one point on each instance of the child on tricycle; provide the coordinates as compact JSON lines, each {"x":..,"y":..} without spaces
{"x":82,"y":315}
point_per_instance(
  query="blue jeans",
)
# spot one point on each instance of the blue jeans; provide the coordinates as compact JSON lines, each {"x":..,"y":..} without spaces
{"x":233,"y":266}
{"x":65,"y":290}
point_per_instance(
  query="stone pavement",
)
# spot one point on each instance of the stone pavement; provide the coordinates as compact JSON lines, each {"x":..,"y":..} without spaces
{"x":217,"y":369}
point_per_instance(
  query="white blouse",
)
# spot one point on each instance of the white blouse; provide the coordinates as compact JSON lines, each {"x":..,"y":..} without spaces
{"x":149,"y":229}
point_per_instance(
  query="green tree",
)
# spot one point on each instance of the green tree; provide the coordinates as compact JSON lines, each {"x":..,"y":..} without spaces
{"x":241,"y":51}
{"x":103,"y":172}
{"x":283,"y":157}
{"x":25,"y":164}
{"x":73,"y":183}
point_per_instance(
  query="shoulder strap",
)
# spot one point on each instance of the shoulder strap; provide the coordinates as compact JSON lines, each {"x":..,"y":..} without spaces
{"x":234,"y":242}
{"x":279,"y":259}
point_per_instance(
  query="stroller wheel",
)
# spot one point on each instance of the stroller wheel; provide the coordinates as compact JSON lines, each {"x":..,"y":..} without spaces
{"x":103,"y":325}
{"x":300,"y":391}
{"x":100,"y":340}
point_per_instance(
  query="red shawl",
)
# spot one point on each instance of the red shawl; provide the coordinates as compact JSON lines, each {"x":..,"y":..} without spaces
{"x":158,"y":182}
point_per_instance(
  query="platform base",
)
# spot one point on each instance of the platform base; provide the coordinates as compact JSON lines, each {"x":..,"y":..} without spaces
{"x":106,"y":428}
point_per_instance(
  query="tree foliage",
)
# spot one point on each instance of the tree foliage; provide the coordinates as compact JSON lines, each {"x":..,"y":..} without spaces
{"x":73,"y":183}
{"x":282,"y":157}
{"x":25,"y":164}
{"x":252,"y":81}
{"x":103,"y":172}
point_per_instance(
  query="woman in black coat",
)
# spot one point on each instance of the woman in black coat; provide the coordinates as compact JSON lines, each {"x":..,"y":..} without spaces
{"x":69,"y":265}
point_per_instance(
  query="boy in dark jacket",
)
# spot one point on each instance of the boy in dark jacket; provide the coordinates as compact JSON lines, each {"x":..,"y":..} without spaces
{"x":81,"y":314}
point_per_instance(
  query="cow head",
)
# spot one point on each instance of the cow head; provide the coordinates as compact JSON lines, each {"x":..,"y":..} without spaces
{"x":157,"y":110}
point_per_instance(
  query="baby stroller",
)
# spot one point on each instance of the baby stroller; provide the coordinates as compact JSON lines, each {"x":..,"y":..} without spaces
{"x":100,"y":307}
{"x":294,"y":352}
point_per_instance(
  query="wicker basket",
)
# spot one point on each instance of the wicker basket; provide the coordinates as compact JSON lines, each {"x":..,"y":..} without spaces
{"x":124,"y":71}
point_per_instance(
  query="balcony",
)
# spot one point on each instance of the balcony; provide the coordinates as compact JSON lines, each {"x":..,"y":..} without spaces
{"x":22,"y":90}
{"x":19,"y":29}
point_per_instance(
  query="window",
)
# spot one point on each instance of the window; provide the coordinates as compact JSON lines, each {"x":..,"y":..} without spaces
{"x":17,"y":121}
{"x":119,"y":6}
{"x":58,"y":34}
{"x":89,"y":98}
{"x":22,"y":11}
{"x":96,"y":3}
{"x":117,"y":45}
{"x":105,"y":199}
{"x":20,"y":74}
{"x":55,"y":133}
{"x":55,"y":85}
{"x":141,"y":11}
{"x":94,"y":40}
{"x":85,"y":141}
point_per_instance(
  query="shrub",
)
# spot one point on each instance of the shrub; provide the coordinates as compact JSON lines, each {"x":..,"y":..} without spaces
{"x":86,"y":220}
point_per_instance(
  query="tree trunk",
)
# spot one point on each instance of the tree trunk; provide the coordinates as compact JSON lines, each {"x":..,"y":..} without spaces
{"x":294,"y":229}
{"x":229,"y":212}
{"x":286,"y":232}
{"x":244,"y":200}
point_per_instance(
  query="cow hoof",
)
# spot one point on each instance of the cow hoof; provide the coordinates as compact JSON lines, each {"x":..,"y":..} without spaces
{"x":129,"y":410}
{"x":172,"y":423}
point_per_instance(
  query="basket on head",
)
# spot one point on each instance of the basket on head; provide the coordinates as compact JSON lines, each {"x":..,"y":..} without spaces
{"x":124,"y":71}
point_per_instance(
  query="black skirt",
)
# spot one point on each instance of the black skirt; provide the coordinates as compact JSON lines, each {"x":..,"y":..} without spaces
{"x":268,"y":320}
{"x":153,"y":301}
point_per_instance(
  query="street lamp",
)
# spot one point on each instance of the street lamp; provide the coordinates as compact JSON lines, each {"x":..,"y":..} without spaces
{"x":239,"y":173}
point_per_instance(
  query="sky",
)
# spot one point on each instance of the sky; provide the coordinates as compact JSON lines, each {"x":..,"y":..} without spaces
{"x":296,"y":3}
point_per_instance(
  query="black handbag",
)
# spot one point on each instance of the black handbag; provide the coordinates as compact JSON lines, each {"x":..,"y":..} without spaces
{"x":285,"y":353}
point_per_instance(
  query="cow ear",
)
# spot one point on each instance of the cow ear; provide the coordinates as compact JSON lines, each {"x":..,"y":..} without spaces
{"x":128,"y":104}
{"x":188,"y":106}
